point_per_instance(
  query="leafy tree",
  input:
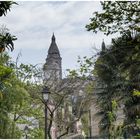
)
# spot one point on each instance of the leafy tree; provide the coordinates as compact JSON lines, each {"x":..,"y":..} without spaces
{"x":117,"y":67}
{"x":116,"y":82}
{"x":5,"y":6}
{"x":18,"y":104}
{"x":6,"y":40}
{"x":118,"y":16}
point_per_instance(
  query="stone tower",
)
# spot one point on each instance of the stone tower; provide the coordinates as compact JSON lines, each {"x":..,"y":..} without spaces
{"x":52,"y":68}
{"x":103,"y":46}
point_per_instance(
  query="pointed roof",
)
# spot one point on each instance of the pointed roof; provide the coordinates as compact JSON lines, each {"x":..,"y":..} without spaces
{"x":103,"y":46}
{"x":53,"y":49}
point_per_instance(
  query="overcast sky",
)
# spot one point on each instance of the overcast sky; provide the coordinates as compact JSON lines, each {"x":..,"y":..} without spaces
{"x":34,"y":22}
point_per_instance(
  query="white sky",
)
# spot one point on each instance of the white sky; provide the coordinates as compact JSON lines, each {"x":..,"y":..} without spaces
{"x":34,"y":22}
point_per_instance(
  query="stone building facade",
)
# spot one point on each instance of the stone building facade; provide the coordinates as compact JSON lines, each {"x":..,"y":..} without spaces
{"x":53,"y":73}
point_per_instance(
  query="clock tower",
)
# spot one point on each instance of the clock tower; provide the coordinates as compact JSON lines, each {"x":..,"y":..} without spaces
{"x":52,"y":68}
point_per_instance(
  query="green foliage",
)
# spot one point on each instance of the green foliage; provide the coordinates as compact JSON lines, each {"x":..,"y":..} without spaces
{"x":120,"y":73}
{"x":136,"y":93}
{"x":6,"y":40}
{"x":85,"y":68}
{"x":117,"y":78}
{"x":36,"y":133}
{"x":114,"y":105}
{"x":85,"y":122}
{"x":17,"y":103}
{"x":117,"y":69}
{"x":137,"y":136}
{"x":72,"y":73}
{"x":89,"y":88}
{"x":5,"y":6}
{"x":4,"y":72}
{"x":19,"y":96}
{"x":117,"y":16}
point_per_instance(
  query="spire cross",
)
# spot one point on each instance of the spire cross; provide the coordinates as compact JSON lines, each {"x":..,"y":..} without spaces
{"x":103,"y":46}
{"x":53,"y":37}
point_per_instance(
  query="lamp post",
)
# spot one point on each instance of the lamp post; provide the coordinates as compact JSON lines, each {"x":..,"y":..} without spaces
{"x":46,"y":93}
{"x":90,"y":133}
{"x":26,"y":129}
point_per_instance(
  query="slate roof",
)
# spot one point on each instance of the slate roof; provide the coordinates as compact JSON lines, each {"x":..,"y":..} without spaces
{"x":103,"y":46}
{"x":53,"y":49}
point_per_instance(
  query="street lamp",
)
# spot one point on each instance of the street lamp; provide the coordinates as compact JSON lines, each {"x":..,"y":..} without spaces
{"x":26,"y":129}
{"x":90,"y":133}
{"x":46,"y":93}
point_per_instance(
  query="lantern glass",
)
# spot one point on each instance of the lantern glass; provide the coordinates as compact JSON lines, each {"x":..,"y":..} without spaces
{"x":45,"y":96}
{"x":45,"y":93}
{"x":26,"y":129}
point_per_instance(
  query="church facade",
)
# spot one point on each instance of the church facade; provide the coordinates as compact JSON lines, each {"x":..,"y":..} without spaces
{"x":53,"y":73}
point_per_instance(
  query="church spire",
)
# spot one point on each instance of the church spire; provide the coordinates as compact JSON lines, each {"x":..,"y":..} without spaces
{"x":52,"y":67}
{"x":53,"y":49}
{"x":103,"y":45}
{"x":53,"y":37}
